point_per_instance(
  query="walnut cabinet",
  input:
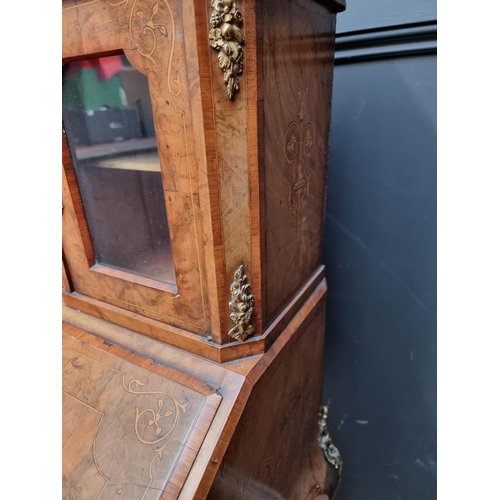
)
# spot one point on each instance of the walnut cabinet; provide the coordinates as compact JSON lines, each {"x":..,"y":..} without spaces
{"x":194,"y":151}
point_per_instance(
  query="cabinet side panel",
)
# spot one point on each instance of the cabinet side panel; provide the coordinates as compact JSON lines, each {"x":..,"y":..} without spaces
{"x":298,"y":48}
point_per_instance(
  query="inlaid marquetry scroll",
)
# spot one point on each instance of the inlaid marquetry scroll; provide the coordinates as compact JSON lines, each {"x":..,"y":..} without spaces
{"x":241,"y":306}
{"x":330,"y":451}
{"x":226,"y":37}
{"x":125,"y":429}
{"x":299,"y":141}
{"x":146,"y":26}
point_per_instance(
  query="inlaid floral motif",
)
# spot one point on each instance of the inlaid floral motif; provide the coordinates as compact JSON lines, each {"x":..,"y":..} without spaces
{"x":165,"y":421}
{"x":148,"y":24}
{"x":299,"y":141}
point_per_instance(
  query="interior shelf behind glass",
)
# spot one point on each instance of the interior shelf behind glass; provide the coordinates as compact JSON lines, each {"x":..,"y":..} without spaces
{"x":108,"y":122}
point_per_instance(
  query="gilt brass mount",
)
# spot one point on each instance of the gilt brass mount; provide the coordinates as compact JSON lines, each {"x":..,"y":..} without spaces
{"x":226,"y":37}
{"x":330,"y":451}
{"x":241,"y":306}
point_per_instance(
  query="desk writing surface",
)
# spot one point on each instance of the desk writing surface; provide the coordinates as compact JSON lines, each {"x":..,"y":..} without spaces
{"x":128,"y":433}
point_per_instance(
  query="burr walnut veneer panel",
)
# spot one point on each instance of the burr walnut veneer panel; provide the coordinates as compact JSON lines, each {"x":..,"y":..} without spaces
{"x":166,"y":54}
{"x":128,"y":432}
{"x":298,"y":53}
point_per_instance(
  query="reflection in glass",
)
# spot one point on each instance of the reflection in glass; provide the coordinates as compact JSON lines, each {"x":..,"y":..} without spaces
{"x":108,"y":122}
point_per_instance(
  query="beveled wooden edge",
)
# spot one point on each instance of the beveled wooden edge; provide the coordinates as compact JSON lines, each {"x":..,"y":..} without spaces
{"x":135,"y":278}
{"x":142,"y":324}
{"x":213,"y":216}
{"x":139,"y":360}
{"x":204,"y":419}
{"x":191,"y":448}
{"x":69,"y":178}
{"x":66,"y":283}
{"x":190,"y":341}
{"x":276,"y":326}
{"x":255,"y":155}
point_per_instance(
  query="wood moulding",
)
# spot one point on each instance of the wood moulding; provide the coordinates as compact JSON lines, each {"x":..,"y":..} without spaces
{"x":189,"y":341}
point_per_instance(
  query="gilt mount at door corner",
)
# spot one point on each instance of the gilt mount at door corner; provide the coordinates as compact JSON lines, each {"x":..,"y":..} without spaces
{"x":226,"y":37}
{"x":241,"y":307}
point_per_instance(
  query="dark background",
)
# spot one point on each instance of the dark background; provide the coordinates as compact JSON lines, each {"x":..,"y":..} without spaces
{"x":380,"y":251}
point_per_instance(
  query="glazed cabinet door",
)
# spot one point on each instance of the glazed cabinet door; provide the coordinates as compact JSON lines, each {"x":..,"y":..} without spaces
{"x":132,"y":218}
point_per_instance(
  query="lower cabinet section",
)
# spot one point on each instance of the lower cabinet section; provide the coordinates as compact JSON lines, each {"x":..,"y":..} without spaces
{"x":166,"y":424}
{"x":274,"y":452}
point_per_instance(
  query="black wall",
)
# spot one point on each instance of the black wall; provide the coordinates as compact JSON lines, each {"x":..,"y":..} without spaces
{"x":380,"y":255}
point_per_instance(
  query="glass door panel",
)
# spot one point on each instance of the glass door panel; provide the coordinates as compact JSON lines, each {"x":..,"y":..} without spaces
{"x":107,"y":118}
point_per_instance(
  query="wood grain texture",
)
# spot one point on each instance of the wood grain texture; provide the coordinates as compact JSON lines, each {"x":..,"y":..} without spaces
{"x":296,"y":302}
{"x":180,"y":365}
{"x":92,"y":28}
{"x":72,"y":198}
{"x":66,"y":284}
{"x":232,"y":194}
{"x":186,"y":340}
{"x":230,"y":135}
{"x":244,"y":184}
{"x":298,"y":64}
{"x":253,"y":370}
{"x":256,"y":181}
{"x":144,"y":424}
{"x":236,"y":382}
{"x":207,"y":148}
{"x":274,"y":451}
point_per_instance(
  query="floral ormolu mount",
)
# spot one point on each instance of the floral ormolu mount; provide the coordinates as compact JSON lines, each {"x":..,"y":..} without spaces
{"x":241,"y":306}
{"x":226,"y":37}
{"x":330,"y":451}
